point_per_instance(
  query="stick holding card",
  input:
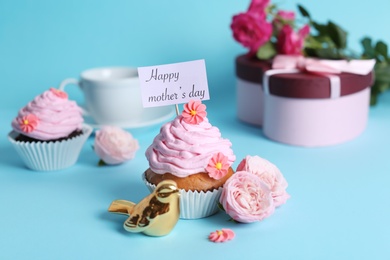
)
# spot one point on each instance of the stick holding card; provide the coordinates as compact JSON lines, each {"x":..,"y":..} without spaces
{"x":173,"y":84}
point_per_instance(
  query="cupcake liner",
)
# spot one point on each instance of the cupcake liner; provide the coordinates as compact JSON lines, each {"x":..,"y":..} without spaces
{"x":50,"y":156}
{"x":194,"y":204}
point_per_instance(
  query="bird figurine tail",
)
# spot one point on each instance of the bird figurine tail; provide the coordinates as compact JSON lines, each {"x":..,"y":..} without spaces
{"x":121,"y":207}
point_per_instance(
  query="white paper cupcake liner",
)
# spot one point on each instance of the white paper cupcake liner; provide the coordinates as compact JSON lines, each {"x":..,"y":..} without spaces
{"x":50,"y":156}
{"x":194,"y":204}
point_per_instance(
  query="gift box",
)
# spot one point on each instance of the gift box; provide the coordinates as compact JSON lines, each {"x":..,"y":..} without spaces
{"x":298,"y":107}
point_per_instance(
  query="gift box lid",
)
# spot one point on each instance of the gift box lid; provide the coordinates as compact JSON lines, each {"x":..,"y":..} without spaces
{"x":301,"y":84}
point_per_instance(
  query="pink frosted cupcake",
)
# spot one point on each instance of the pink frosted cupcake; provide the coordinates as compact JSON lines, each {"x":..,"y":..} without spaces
{"x":48,"y":133}
{"x":190,"y":151}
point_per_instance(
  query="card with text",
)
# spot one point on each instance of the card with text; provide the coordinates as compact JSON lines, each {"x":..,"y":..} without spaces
{"x":174,"y":83}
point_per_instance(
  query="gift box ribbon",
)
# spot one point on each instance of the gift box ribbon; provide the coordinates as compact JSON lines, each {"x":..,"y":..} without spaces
{"x":326,"y":68}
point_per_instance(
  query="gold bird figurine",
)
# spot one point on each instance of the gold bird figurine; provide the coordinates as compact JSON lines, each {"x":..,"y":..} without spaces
{"x":154,"y":215}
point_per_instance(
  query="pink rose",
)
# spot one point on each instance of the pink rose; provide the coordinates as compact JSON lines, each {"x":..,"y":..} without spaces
{"x":290,"y":42}
{"x":258,"y":7}
{"x":269,"y":174}
{"x":114,"y":145}
{"x":287,"y":16}
{"x":251,"y":30}
{"x":282,"y":18}
{"x":246,"y":198}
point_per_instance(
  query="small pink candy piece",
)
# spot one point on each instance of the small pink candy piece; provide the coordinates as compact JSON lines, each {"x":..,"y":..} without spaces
{"x":194,"y":112}
{"x":218,"y":166}
{"x":59,"y":93}
{"x":28,"y":123}
{"x":222,"y":235}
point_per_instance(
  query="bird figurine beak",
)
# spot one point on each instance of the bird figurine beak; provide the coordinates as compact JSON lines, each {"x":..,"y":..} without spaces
{"x":155,"y":215}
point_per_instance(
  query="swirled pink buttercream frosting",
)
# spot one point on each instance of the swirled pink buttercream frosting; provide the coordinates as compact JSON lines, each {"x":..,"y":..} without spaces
{"x":49,"y":116}
{"x":183,"y":149}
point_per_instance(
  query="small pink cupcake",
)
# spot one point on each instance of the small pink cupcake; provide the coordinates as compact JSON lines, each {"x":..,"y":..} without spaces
{"x":48,"y":133}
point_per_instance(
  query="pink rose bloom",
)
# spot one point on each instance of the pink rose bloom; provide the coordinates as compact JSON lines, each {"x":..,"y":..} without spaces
{"x":269,"y":174}
{"x":251,"y":30}
{"x":290,"y":42}
{"x":282,"y":18}
{"x":287,"y":16}
{"x":114,"y":145}
{"x":246,"y":198}
{"x":258,"y":7}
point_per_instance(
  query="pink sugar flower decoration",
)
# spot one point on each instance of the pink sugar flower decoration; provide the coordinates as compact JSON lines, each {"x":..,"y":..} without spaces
{"x":221,"y":235}
{"x":28,"y":123}
{"x":59,"y":93}
{"x":194,"y":112}
{"x":218,"y":166}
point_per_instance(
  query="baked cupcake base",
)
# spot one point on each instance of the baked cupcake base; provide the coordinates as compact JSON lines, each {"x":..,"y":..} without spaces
{"x":50,"y":156}
{"x":24,"y":138}
{"x":195,"y":182}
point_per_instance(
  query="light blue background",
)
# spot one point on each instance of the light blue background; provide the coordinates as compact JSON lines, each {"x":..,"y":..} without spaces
{"x":339,"y":206}
{"x":45,"y":41}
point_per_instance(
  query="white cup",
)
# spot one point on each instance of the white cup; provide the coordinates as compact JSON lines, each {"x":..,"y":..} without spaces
{"x":112,"y":95}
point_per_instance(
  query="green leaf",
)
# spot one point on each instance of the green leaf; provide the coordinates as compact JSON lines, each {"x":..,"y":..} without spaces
{"x":101,"y":163}
{"x":367,"y":43}
{"x":376,"y":90}
{"x":382,"y":77}
{"x":338,"y":35}
{"x":220,"y":206}
{"x":326,"y":42}
{"x":312,"y":42}
{"x":368,"y":50}
{"x":329,"y":53}
{"x":321,"y":28}
{"x":384,"y":87}
{"x":311,"y":52}
{"x":382,"y":68}
{"x":232,"y":220}
{"x":303,"y":11}
{"x":266,"y":51}
{"x":373,"y":99}
{"x":382,"y":81}
{"x":381,"y":48}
